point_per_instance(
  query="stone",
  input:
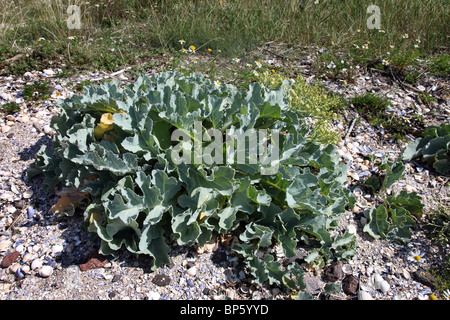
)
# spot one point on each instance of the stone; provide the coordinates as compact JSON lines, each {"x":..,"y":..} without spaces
{"x":333,"y":272}
{"x":94,"y":261}
{"x":313,"y":284}
{"x":350,"y":285}
{"x":9,"y":259}
{"x":46,"y":271}
{"x":161,"y":280}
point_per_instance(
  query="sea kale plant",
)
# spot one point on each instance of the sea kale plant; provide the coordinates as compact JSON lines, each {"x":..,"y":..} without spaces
{"x":177,"y":159}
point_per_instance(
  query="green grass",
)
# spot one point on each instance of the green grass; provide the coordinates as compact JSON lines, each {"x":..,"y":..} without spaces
{"x":375,"y":109}
{"x":120,"y":33}
{"x":10,"y":108}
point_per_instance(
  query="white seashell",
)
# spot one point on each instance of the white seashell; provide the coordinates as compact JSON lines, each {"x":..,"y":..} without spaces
{"x":152,"y":295}
{"x":377,"y":280}
{"x":27,"y":194}
{"x":46,"y":271}
{"x":384,"y":286}
{"x":364,"y":295}
{"x":36,"y":264}
{"x":13,"y":268}
{"x":25,"y":268}
{"x":192,"y":271}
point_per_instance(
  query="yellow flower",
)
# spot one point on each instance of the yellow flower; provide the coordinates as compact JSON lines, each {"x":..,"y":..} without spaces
{"x":358,"y":30}
{"x":432,"y":297}
{"x":258,"y":64}
{"x":106,"y":124}
{"x":405,"y":36}
{"x":217,"y":83}
{"x":236,"y":60}
{"x":192,"y":49}
{"x":365,"y":46}
{"x":209,"y":49}
{"x":181,"y":41}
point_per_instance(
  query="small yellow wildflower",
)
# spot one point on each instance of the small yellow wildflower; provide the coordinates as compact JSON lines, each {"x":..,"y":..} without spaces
{"x":332,"y":43}
{"x":258,"y":64}
{"x":217,"y":83}
{"x":209,"y":49}
{"x":236,"y":60}
{"x":356,"y":46}
{"x":181,"y":41}
{"x":392,"y":46}
{"x":432,"y":297}
{"x":183,"y":50}
{"x":273,"y":70}
{"x":405,"y":36}
{"x":358,"y":30}
{"x":385,"y":62}
{"x":255,"y":73}
{"x":192,"y":49}
{"x":365,"y":46}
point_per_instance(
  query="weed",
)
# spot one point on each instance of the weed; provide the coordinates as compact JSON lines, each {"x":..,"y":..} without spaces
{"x":375,"y":110}
{"x":10,"y":108}
{"x":38,"y":90}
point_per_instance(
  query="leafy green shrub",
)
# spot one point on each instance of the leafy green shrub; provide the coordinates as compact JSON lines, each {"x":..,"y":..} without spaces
{"x":116,"y":145}
{"x":433,"y":147}
{"x":393,"y":218}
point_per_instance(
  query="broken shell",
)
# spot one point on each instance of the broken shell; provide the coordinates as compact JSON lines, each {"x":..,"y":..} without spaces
{"x":27,"y":194}
{"x":357,"y":192}
{"x":364,"y":295}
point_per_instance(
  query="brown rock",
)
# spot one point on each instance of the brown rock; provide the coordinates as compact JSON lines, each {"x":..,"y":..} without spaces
{"x":333,"y":272}
{"x":9,"y":259}
{"x":350,"y":285}
{"x":94,"y":262}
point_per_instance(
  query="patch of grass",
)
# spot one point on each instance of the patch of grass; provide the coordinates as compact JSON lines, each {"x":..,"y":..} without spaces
{"x":375,"y":110}
{"x":440,"y":65}
{"x":38,"y":90}
{"x":426,"y":98}
{"x":439,"y":225}
{"x":10,"y":108}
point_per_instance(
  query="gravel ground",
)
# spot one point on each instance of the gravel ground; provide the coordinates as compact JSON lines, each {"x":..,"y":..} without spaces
{"x":50,"y":257}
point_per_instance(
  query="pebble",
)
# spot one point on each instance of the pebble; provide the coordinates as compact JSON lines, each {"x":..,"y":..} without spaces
{"x":153,"y":295}
{"x":46,"y":271}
